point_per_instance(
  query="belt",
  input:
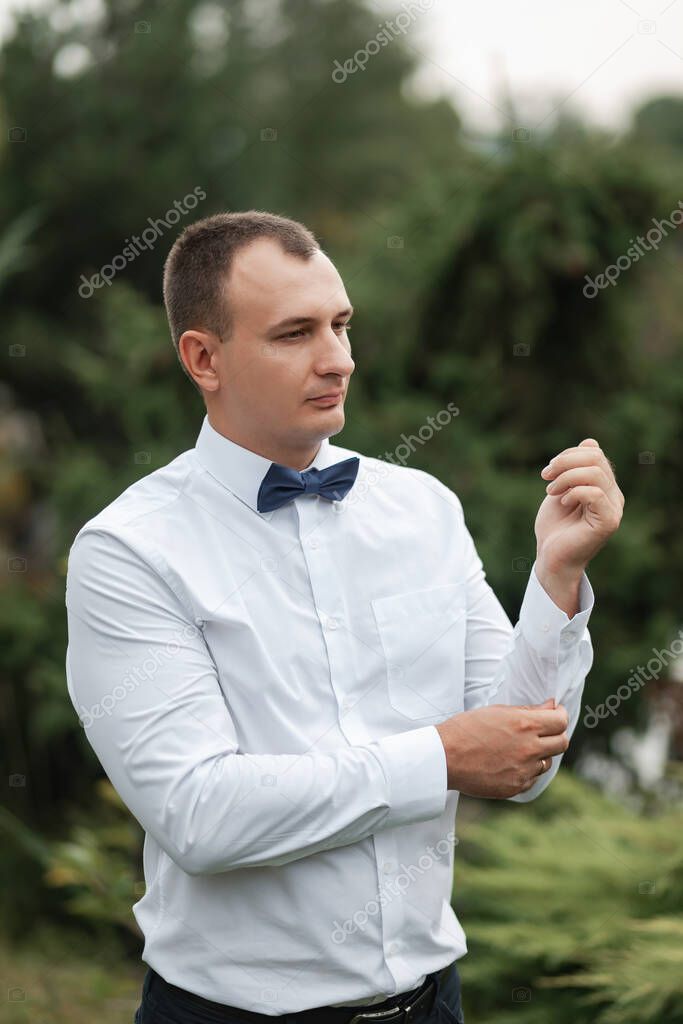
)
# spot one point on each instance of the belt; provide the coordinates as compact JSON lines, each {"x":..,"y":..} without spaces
{"x":403,"y":1009}
{"x":411,"y":1006}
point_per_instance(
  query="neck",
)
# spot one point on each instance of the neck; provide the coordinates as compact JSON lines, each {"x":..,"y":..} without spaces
{"x":274,"y":449}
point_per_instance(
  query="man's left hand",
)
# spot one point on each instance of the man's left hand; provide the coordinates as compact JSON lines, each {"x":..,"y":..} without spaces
{"x":582,"y":510}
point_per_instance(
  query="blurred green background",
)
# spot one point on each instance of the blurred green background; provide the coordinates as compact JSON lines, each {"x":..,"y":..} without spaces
{"x":465,"y":255}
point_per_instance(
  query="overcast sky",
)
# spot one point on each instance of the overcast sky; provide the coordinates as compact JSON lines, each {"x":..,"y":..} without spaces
{"x":598,"y":58}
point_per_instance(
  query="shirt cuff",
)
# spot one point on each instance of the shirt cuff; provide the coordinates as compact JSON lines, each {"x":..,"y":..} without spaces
{"x":548,"y":628}
{"x":414,"y":763}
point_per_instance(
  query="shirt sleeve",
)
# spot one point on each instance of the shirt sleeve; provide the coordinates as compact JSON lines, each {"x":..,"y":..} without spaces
{"x":145,"y":687}
{"x":546,"y":654}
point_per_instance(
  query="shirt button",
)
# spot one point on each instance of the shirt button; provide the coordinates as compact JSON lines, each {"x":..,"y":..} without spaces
{"x":394,"y":948}
{"x":388,"y":867}
{"x":332,"y":623}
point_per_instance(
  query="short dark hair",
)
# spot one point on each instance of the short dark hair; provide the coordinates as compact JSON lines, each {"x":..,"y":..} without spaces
{"x":198,"y":265}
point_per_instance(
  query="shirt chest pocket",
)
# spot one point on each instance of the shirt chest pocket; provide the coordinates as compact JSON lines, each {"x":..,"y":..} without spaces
{"x":422,"y":634}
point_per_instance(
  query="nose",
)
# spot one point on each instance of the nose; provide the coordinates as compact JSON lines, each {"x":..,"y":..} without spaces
{"x":334,"y":356}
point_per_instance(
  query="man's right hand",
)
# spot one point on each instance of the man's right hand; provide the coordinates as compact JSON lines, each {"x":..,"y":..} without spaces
{"x":495,"y":751}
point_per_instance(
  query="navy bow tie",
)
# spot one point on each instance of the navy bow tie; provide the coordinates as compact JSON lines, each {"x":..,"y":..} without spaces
{"x":281,"y":484}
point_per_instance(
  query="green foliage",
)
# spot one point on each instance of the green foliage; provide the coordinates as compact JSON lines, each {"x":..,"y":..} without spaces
{"x":659,"y":122}
{"x":16,"y":252}
{"x":97,"y":866}
{"x":572,"y":904}
{"x":96,"y":869}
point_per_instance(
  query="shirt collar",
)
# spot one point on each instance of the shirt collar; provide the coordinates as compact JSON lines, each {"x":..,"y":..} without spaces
{"x":241,"y":470}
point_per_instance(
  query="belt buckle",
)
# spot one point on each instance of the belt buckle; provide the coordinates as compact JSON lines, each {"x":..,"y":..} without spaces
{"x":396,"y":1014}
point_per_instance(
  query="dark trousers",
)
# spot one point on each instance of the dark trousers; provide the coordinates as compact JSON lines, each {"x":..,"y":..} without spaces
{"x":168,"y":1004}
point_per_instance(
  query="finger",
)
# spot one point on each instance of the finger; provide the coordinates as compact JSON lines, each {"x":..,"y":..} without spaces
{"x":613,"y":490}
{"x":596,"y":502}
{"x":589,"y":476}
{"x":592,"y":475}
{"x":609,"y":465}
{"x":543,"y":765}
{"x":533,"y":773}
{"x":551,"y":746}
{"x":572,"y":457}
{"x":582,"y":455}
{"x":549,"y":721}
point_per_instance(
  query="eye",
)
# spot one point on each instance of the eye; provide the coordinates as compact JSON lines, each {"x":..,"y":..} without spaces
{"x":300,"y":331}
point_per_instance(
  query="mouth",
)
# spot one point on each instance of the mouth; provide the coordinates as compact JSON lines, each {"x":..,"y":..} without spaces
{"x":331,"y":398}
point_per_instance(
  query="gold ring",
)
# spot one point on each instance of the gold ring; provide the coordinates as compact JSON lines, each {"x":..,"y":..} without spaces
{"x":543,"y":767}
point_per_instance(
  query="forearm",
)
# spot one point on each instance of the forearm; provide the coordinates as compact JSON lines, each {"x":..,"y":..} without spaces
{"x":561,"y":585}
{"x":168,"y":742}
{"x":263,"y":810}
{"x":536,"y":659}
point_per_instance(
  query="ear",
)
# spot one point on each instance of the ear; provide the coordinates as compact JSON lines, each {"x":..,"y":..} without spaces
{"x":196,"y":349}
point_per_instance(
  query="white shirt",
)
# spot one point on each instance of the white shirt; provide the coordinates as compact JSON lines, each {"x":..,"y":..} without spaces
{"x":262,"y":688}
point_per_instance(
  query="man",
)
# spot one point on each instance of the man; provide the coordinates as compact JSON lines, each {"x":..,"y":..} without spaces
{"x":288,"y":660}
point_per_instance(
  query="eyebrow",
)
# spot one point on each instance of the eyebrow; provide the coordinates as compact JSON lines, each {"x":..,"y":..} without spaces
{"x":291,"y":321}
